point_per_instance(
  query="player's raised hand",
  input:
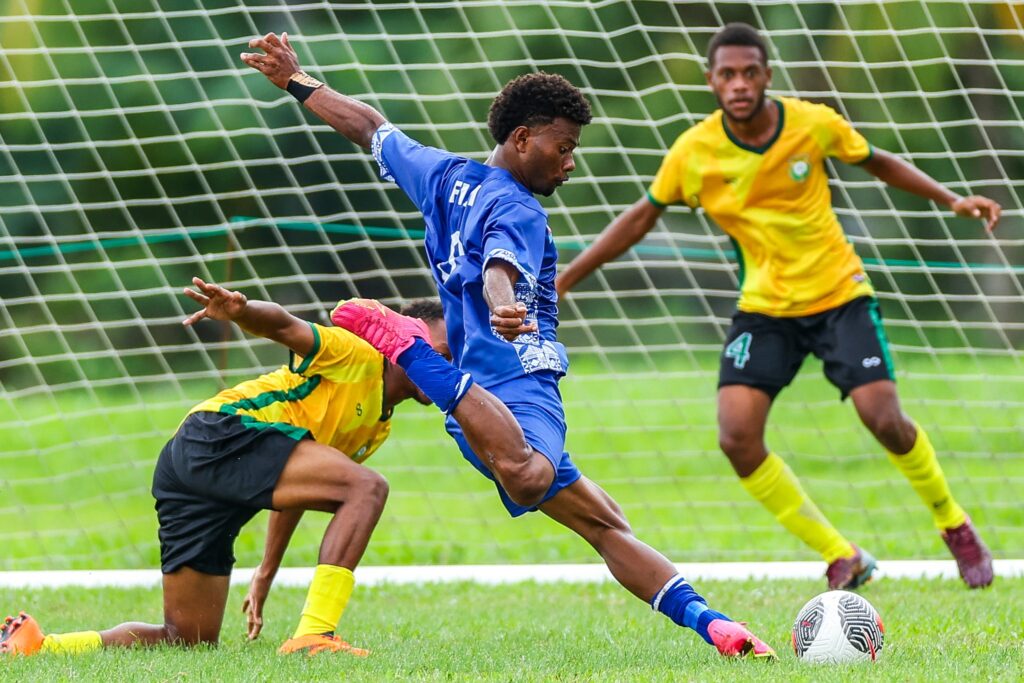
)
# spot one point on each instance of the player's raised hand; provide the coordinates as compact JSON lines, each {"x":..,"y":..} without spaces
{"x":510,"y":321}
{"x":279,"y":62}
{"x":218,"y":303}
{"x":977,"y":206}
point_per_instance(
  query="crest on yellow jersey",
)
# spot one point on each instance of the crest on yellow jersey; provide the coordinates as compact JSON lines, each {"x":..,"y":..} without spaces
{"x":799,"y":168}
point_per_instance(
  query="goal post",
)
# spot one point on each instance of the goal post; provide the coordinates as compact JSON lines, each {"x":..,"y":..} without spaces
{"x":136,"y":151}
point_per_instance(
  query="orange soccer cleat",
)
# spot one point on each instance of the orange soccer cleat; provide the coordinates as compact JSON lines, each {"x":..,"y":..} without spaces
{"x":20,"y":635}
{"x":320,"y":642}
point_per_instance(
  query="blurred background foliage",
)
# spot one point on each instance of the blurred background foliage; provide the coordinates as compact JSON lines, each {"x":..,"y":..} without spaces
{"x":136,"y":151}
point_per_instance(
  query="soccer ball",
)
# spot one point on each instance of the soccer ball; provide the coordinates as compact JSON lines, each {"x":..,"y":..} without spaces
{"x":838,"y":627}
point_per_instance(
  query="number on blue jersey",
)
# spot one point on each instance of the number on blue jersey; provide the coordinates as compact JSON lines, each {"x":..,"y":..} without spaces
{"x":455,"y":252}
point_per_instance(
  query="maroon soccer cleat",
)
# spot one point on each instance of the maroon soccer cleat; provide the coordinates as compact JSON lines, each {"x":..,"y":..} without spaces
{"x":848,"y":573}
{"x":734,"y":639}
{"x":20,"y":635}
{"x":972,"y":556}
{"x":389,"y":332}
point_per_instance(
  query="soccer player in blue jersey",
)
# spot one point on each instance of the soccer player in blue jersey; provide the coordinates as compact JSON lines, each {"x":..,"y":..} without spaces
{"x":493,"y":259}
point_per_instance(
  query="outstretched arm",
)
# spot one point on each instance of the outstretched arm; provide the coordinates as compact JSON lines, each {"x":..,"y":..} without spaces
{"x":622,"y":233}
{"x":261,"y":318}
{"x":353,"y":119}
{"x":896,"y":172}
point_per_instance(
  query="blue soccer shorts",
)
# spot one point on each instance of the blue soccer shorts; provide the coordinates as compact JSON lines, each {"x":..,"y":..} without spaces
{"x":536,"y":403}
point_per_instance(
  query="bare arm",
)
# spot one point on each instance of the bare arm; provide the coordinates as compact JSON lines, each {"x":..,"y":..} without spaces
{"x":507,"y":314}
{"x":897,"y":173}
{"x":622,"y":233}
{"x":261,"y":318}
{"x":279,"y":532}
{"x":353,"y":119}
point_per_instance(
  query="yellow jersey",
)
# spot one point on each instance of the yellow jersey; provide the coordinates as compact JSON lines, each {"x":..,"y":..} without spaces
{"x":774,"y":202}
{"x":335,"y":393}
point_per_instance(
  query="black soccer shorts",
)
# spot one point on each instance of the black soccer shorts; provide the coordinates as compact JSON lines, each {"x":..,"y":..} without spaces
{"x":765,"y":352}
{"x":212,"y":477}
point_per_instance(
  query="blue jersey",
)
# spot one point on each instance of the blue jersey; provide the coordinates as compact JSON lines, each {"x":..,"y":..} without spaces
{"x":475,"y":213}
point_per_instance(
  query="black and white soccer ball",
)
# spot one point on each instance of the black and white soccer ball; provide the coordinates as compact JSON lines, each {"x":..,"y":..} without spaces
{"x":838,"y":627}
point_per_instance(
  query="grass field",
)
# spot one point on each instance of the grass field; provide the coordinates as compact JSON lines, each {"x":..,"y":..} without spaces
{"x":935,"y":630}
{"x":75,"y":471}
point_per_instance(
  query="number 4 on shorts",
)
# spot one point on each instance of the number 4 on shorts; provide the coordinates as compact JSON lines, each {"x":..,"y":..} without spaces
{"x":739,"y":350}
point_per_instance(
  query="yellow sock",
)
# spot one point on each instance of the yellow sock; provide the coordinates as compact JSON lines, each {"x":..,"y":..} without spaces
{"x":922,"y":469}
{"x":72,"y":643}
{"x":778,"y":489}
{"x":328,"y":594}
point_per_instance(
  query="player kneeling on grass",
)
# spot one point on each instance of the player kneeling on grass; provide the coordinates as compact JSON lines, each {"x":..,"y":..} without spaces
{"x":493,"y":260}
{"x":287,"y":441}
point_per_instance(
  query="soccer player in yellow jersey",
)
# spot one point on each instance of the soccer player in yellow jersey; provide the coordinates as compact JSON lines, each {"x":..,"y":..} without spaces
{"x":288,"y":441}
{"x":756,"y":167}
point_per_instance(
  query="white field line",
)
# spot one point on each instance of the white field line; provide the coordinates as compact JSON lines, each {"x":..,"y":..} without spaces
{"x":498,"y":573}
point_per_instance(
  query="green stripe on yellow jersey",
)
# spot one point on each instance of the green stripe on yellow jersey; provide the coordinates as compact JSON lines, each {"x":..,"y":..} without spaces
{"x":335,"y":394}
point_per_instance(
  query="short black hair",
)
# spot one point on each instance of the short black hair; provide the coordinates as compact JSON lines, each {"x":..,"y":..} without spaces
{"x":737,"y":33}
{"x":427,"y":310}
{"x":535,"y":98}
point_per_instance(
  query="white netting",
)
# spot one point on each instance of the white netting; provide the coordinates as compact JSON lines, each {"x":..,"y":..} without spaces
{"x":137,"y":151}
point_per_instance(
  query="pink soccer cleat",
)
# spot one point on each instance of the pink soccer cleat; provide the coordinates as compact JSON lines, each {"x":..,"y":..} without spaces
{"x":734,"y":639}
{"x":973,"y":558}
{"x":389,"y":332}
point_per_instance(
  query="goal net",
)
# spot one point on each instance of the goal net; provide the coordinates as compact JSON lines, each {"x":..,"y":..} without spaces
{"x":137,"y":151}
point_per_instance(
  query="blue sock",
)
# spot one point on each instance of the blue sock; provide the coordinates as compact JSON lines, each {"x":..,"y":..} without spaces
{"x":679,"y":602}
{"x":442,"y":382}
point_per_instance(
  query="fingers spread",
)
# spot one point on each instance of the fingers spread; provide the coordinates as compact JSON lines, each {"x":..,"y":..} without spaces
{"x":212,"y":290}
{"x":260,"y":43}
{"x":994,"y":212}
{"x":993,"y":217}
{"x":196,"y":296}
{"x":194,"y":318}
{"x":251,"y":61}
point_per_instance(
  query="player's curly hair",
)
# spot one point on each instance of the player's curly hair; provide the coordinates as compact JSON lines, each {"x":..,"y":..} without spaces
{"x":535,"y":98}
{"x":426,"y":310}
{"x":737,"y":33}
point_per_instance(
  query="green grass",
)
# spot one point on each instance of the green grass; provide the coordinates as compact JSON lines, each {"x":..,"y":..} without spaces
{"x":75,"y":472}
{"x":935,"y":630}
